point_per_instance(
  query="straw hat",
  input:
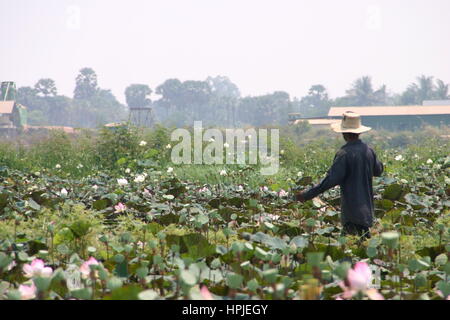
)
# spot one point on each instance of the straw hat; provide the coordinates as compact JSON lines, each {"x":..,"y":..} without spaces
{"x":351,"y":123}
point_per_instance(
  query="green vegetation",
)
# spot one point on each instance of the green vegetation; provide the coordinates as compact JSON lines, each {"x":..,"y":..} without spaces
{"x":104,"y":215}
{"x":216,"y":101}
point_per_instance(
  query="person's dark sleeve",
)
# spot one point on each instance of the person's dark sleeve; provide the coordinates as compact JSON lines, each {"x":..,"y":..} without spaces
{"x":378,"y":166}
{"x":335,"y":176}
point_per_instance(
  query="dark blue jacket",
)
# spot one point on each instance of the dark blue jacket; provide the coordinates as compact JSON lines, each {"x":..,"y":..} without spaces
{"x":353,"y":167}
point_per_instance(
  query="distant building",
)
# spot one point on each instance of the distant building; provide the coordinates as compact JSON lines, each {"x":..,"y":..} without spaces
{"x":12,"y":115}
{"x":436,"y":103}
{"x":292,"y":117}
{"x":386,"y":117}
{"x":397,"y":117}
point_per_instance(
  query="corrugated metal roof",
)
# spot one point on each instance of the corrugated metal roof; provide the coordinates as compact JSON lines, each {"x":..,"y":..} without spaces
{"x":318,"y":121}
{"x":6,"y":106}
{"x":436,"y":102}
{"x":391,"y":110}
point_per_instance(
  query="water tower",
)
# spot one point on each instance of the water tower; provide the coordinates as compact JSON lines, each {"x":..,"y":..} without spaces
{"x":141,"y":117}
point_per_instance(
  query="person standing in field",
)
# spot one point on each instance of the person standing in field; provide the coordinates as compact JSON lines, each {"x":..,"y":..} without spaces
{"x":353,"y":167}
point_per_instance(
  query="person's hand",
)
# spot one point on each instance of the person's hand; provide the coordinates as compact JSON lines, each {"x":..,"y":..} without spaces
{"x":299,"y":197}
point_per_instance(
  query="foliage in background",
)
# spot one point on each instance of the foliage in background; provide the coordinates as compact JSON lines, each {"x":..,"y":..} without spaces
{"x":216,"y":101}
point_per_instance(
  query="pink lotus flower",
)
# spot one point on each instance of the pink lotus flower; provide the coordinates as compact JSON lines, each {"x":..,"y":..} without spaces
{"x":120,"y":207}
{"x":205,"y":293}
{"x":27,"y":292}
{"x":85,"y":269}
{"x":360,"y":277}
{"x":204,"y":189}
{"x":36,"y":269}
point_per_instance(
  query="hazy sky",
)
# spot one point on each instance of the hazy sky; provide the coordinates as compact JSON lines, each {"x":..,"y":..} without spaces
{"x":260,"y":45}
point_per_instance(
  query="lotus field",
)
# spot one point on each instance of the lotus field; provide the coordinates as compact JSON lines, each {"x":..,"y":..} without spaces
{"x":110,"y":217}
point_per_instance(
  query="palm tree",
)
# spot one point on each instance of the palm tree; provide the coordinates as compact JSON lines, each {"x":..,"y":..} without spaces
{"x":425,"y":88}
{"x":410,"y":95}
{"x":380,"y":96}
{"x":441,"y":91}
{"x":362,"y":91}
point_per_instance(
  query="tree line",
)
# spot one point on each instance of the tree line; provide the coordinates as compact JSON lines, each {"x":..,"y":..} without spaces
{"x":216,"y":101}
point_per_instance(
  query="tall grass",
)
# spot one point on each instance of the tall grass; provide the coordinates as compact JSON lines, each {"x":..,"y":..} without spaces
{"x":310,"y":152}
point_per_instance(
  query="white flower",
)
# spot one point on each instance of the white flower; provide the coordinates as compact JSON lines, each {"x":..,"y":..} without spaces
{"x":223,"y":172}
{"x":58,"y":166}
{"x":95,"y":187}
{"x":240,"y":188}
{"x":169,"y":169}
{"x":429,"y":161}
{"x":122,"y":182}
{"x":168,"y":146}
{"x":79,"y":166}
{"x":274,"y":217}
{"x":64,"y":192}
{"x":264,"y":189}
{"x":140,"y":244}
{"x":226,"y":145}
{"x":11,"y":266}
{"x":416,"y":156}
{"x":300,"y":174}
{"x":399,"y":157}
{"x":282,"y":151}
{"x":139,"y":178}
{"x":143,"y":143}
{"x":127,"y":170}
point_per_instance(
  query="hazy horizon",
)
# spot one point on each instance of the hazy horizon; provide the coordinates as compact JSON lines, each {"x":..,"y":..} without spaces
{"x":262,"y":46}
